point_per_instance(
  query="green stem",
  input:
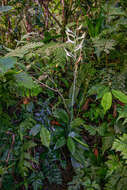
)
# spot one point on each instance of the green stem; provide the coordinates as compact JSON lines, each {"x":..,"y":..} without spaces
{"x":73,"y":93}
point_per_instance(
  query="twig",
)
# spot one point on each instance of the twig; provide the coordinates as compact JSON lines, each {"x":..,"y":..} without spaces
{"x":45,"y":85}
{"x":52,"y":16}
{"x":60,"y":95}
{"x":55,"y":90}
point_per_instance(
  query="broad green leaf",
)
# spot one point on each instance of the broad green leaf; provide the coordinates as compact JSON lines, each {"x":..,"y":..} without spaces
{"x":120,"y":96}
{"x":45,"y":136}
{"x":122,"y":114}
{"x":99,"y":22}
{"x":2,"y":170}
{"x":80,"y":142}
{"x":95,"y":89}
{"x":71,"y":145}
{"x":98,"y":90}
{"x":91,"y":28}
{"x":5,"y":8}
{"x":77,"y":122}
{"x":35,"y":130}
{"x":102,"y":92}
{"x":37,"y":183}
{"x":106,"y":101}
{"x":62,"y":115}
{"x":23,"y":79}
{"x":125,"y":121}
{"x":27,"y":164}
{"x":7,"y":63}
{"x":60,"y":142}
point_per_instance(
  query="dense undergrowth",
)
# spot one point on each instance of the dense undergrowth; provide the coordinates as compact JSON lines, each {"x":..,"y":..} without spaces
{"x":63,"y":102}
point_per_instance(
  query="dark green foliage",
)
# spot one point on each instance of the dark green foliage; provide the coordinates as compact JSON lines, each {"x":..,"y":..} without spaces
{"x":63,"y":105}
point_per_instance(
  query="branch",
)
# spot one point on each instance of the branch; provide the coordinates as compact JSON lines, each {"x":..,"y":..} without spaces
{"x":54,"y":90}
{"x":52,"y":16}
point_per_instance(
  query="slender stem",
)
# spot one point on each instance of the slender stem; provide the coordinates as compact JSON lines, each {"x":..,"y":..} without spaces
{"x":55,"y":90}
{"x":73,"y":93}
{"x":45,"y":85}
{"x":74,"y":87}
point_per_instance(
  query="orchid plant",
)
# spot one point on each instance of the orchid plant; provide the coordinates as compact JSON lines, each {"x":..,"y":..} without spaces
{"x":76,"y":55}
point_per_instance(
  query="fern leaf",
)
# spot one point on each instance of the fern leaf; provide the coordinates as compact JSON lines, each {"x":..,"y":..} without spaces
{"x":103,"y":45}
{"x":120,"y":145}
{"x":21,"y":51}
{"x":24,"y":80}
{"x":90,"y":129}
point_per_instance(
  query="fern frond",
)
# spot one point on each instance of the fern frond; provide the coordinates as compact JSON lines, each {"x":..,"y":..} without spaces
{"x":93,"y":130}
{"x":21,"y":51}
{"x":112,"y":10}
{"x":103,"y":45}
{"x":116,"y":174}
{"x":120,"y":145}
{"x":122,"y":115}
{"x":90,"y":129}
